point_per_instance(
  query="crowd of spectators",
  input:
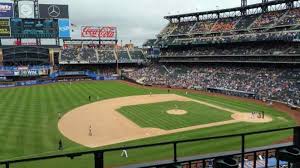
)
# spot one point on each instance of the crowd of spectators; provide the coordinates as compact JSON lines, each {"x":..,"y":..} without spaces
{"x":168,"y":30}
{"x":102,"y":54}
{"x":136,"y":54}
{"x":247,"y":28}
{"x":183,"y":28}
{"x":270,"y":36}
{"x":123,"y":56}
{"x":203,"y":26}
{"x":88,"y":55}
{"x":70,"y":55}
{"x":75,"y":55}
{"x":292,"y":17}
{"x":265,"y":83}
{"x":242,"y":49}
{"x":267,"y":19}
{"x":224,"y":25}
{"x":245,"y":22}
{"x":106,"y":55}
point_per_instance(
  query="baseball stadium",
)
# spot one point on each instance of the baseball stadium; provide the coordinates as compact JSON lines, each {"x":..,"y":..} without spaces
{"x":213,"y":89}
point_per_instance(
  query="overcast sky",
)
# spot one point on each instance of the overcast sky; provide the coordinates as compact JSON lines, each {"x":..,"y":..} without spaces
{"x":137,"y":20}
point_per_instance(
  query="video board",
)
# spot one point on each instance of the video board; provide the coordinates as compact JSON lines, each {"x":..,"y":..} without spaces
{"x":4,"y":28}
{"x":34,"y":28}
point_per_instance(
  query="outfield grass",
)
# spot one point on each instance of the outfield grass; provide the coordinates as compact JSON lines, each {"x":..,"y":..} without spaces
{"x":29,"y":115}
{"x":155,"y":115}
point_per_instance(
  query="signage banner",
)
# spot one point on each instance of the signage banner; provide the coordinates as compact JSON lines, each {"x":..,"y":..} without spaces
{"x":71,"y":73}
{"x":106,"y":32}
{"x":53,"y":11}
{"x":6,"y":10}
{"x":26,"y":9}
{"x":64,"y":28}
{"x":6,"y":73}
{"x":4,"y":28}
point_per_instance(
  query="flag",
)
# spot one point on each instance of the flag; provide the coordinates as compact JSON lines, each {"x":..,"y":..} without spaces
{"x":73,"y":25}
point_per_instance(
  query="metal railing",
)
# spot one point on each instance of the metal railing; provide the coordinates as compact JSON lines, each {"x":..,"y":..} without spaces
{"x":99,"y":155}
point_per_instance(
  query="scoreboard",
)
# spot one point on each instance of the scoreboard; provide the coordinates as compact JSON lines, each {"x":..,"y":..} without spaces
{"x":34,"y":28}
{"x":52,"y":21}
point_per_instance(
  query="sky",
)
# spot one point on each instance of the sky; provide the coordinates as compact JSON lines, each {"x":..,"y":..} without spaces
{"x":136,"y":20}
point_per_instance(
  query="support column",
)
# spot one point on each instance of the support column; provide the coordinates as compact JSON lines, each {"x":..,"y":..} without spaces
{"x":297,"y":142}
{"x":243,"y":3}
{"x":51,"y":57}
{"x":265,"y":8}
{"x":1,"y":57}
{"x":297,"y":137}
{"x":99,"y":160}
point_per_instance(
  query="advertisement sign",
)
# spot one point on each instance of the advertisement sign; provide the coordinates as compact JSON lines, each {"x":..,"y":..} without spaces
{"x":64,"y":28}
{"x":6,"y":10}
{"x":53,"y":11}
{"x":71,"y":73}
{"x":4,"y":28}
{"x":34,"y":28}
{"x":99,"y":32}
{"x":6,"y":73}
{"x":26,"y":9}
{"x":23,"y":73}
{"x":26,"y":73}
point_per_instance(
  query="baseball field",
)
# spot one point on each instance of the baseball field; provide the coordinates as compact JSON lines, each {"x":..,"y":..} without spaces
{"x":34,"y":119}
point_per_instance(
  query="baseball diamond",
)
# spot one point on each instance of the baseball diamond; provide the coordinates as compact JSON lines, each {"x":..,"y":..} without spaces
{"x":127,"y":84}
{"x":121,"y":114}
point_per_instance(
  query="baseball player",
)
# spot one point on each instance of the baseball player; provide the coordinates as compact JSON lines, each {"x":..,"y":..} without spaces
{"x":60,"y":145}
{"x":252,"y":115}
{"x":90,"y":131}
{"x":259,"y":115}
{"x":124,"y":153}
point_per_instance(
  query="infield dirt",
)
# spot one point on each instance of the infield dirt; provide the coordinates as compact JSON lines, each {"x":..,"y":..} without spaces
{"x":110,"y":127}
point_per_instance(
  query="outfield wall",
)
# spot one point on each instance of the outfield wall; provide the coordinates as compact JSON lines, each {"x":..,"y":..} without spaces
{"x":38,"y":82}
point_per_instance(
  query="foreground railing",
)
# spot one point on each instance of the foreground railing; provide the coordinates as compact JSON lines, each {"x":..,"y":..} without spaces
{"x":245,"y":156}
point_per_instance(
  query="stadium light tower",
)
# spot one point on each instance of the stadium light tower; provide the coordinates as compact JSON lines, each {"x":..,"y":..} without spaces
{"x":265,"y":8}
{"x":244,"y":3}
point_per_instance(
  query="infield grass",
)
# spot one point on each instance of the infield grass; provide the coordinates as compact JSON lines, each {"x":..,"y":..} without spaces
{"x":29,"y":116}
{"x":155,"y":115}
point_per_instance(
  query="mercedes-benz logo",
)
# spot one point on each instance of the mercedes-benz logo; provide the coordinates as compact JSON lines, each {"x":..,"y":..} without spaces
{"x":53,"y":11}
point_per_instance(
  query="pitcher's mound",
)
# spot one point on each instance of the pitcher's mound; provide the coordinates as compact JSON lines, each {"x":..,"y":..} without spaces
{"x":248,"y":117}
{"x":177,"y":112}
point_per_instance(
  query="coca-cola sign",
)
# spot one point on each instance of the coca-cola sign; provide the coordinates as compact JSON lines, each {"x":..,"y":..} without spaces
{"x":99,"y":32}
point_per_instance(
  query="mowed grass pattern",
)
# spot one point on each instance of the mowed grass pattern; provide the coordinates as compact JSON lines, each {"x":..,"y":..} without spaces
{"x":29,"y":115}
{"x":28,"y":125}
{"x":155,"y":115}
